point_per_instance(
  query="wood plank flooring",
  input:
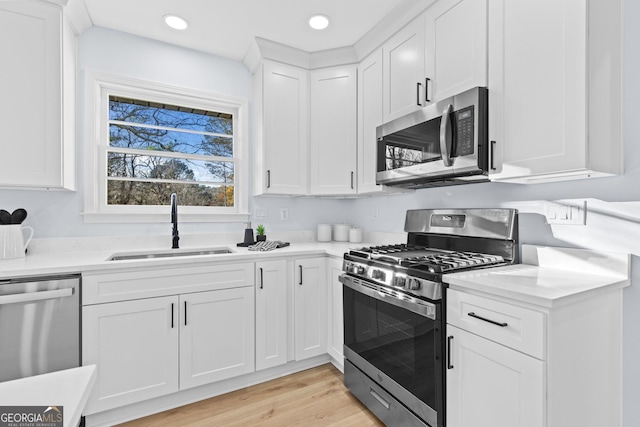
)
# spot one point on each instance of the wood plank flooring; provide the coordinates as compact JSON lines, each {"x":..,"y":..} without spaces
{"x":312,"y":398}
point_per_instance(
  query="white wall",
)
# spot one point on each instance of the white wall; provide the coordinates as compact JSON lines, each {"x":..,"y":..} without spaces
{"x":613,"y":219}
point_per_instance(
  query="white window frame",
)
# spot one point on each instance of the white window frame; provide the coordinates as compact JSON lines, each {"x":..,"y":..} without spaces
{"x":98,"y":87}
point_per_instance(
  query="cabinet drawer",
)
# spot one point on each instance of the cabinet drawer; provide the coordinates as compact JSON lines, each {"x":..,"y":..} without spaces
{"x":147,"y":283}
{"x":515,"y":327}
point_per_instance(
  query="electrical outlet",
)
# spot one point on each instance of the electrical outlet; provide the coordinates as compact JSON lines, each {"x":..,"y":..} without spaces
{"x":566,"y":212}
{"x":261,"y":213}
{"x":284,"y":213}
{"x":375,"y":212}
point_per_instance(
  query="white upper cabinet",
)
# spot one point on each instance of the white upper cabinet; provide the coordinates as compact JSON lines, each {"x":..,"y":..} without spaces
{"x":555,"y":89}
{"x":38,"y":77}
{"x":369,"y":117}
{"x":281,"y":129}
{"x":332,"y":160}
{"x":403,"y":71}
{"x":456,"y":47}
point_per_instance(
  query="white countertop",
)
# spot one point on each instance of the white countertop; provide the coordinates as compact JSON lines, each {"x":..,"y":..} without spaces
{"x":69,"y":388}
{"x":97,"y":260}
{"x":549,"y":277}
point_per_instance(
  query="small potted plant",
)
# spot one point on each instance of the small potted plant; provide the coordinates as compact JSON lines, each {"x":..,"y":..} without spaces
{"x":260,"y":236}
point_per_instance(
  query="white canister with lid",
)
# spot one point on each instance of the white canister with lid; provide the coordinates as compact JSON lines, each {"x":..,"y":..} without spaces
{"x":341,"y":232}
{"x":355,"y":235}
{"x":324,"y":232}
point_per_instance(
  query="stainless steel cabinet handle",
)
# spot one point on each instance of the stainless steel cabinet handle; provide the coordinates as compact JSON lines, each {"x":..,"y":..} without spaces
{"x":449,"y":339}
{"x":445,"y":136}
{"x":352,"y":180}
{"x":418,"y":94}
{"x":484,"y":319}
{"x":300,"y":267}
{"x":35,"y":296}
{"x":171,"y":315}
{"x":379,"y":398}
{"x":261,"y":279}
{"x":268,"y":179}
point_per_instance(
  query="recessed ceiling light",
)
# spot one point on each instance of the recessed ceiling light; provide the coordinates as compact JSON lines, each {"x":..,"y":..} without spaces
{"x":175,"y":22}
{"x":319,"y":22}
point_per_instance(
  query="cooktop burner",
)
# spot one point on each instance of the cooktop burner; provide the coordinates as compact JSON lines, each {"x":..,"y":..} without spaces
{"x":424,"y":258}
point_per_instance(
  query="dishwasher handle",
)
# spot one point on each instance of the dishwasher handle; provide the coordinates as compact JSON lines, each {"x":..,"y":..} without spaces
{"x":35,"y":296}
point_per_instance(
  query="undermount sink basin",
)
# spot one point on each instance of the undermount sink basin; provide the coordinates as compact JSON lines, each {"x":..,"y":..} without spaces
{"x":168,"y":254}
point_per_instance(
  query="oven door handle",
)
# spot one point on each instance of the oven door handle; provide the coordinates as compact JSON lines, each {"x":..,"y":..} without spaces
{"x":399,"y":299}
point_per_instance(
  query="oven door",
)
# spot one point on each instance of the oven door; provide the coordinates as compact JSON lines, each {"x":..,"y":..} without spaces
{"x":396,"y":340}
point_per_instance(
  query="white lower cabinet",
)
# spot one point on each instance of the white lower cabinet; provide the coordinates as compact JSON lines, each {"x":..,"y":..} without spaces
{"x":310,"y":307}
{"x":135,"y":348}
{"x":151,"y":347}
{"x":335,"y":341}
{"x":490,"y":385}
{"x":271,"y":314}
{"x":216,"y":336}
{"x":516,"y":363}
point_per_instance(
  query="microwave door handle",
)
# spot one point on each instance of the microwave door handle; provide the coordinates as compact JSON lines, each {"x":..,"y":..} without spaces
{"x":445,"y":136}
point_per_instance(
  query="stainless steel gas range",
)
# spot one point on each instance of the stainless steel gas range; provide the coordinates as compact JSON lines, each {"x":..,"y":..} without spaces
{"x":394,"y":311}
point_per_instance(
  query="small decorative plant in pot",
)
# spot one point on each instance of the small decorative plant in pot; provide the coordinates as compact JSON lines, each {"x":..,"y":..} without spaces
{"x":260,"y":236}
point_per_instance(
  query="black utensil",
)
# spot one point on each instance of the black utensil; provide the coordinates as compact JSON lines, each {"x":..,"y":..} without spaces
{"x":5,"y":217}
{"x":18,"y":216}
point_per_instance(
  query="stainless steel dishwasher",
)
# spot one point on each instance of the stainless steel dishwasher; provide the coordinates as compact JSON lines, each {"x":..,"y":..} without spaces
{"x":39,"y":325}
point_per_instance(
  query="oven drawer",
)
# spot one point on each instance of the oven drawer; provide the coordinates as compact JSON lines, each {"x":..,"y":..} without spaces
{"x":515,"y":327}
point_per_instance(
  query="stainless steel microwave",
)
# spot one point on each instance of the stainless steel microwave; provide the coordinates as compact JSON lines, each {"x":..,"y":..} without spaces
{"x":445,"y":143}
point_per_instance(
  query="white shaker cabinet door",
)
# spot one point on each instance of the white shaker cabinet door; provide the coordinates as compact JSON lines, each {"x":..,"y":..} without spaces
{"x":332,"y":160}
{"x":310,"y":307}
{"x":335,"y":344}
{"x":282,"y":140}
{"x":456,"y":47}
{"x":404,"y":74}
{"x":271,"y":313}
{"x":554,"y":89}
{"x":135,"y":347}
{"x":490,"y":385}
{"x":37,"y":83}
{"x":216,"y":335}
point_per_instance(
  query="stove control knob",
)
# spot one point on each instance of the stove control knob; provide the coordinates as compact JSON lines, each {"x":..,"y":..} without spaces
{"x":413,"y":284}
{"x":378,"y":275}
{"x":360,"y":269}
{"x":399,"y":282}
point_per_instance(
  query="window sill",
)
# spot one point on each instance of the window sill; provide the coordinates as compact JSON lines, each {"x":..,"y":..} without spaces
{"x":137,"y":218}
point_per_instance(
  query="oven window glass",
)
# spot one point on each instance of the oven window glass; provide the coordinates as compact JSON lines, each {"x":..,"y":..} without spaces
{"x":402,"y":344}
{"x":418,"y":144}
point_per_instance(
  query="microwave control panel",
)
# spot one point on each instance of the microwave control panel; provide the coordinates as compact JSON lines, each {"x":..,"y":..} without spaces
{"x":464,"y":131}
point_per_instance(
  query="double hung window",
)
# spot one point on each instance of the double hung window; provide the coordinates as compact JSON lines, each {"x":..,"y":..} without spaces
{"x":151,"y":142}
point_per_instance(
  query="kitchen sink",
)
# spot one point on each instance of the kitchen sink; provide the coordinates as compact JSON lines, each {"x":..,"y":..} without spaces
{"x":168,"y":254}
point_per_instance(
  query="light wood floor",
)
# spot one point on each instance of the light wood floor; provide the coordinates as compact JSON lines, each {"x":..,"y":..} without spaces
{"x":311,"y":398}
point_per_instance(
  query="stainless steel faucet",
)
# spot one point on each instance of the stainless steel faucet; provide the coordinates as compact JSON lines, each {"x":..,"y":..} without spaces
{"x":174,"y":220}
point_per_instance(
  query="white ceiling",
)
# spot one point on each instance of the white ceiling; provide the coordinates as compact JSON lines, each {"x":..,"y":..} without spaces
{"x":227,"y":28}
